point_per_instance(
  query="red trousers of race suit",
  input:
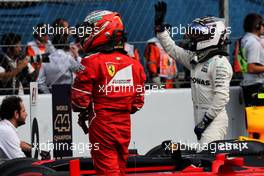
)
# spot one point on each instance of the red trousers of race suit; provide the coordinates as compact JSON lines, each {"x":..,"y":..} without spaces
{"x":111,"y":133}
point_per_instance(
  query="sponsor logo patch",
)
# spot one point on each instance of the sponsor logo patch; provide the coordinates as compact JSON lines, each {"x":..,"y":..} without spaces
{"x":200,"y":81}
{"x":111,"y":69}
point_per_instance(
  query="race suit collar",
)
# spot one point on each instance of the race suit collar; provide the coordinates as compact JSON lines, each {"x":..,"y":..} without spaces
{"x":209,"y":53}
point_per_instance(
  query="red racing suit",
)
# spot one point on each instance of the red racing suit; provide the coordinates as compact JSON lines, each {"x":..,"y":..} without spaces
{"x":112,"y":86}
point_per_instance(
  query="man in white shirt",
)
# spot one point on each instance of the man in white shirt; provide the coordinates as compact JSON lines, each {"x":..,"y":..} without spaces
{"x":63,"y":62}
{"x":13,"y":115}
{"x":253,"y":51}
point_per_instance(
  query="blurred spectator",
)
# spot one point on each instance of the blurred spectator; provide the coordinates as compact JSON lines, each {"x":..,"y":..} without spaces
{"x":77,"y":42}
{"x":61,"y":65}
{"x":61,"y":34}
{"x":61,"y":37}
{"x":15,"y":70}
{"x":13,"y":115}
{"x":74,"y":52}
{"x":132,"y":51}
{"x":161,"y":67}
{"x":253,"y":50}
{"x":40,"y":46}
{"x":10,"y":74}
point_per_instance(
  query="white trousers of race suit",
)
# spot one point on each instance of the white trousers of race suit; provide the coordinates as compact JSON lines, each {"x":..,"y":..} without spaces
{"x":217,"y":128}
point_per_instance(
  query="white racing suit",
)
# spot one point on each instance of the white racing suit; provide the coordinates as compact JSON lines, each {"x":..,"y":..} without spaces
{"x":210,"y":87}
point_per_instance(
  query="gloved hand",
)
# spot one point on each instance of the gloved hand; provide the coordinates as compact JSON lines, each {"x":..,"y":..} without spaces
{"x":160,"y":13}
{"x":83,"y":117}
{"x":134,"y":109}
{"x":156,"y":80}
{"x":201,"y":127}
{"x":45,"y":155}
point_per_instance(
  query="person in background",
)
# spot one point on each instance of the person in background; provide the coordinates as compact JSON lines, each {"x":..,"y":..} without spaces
{"x":16,"y":72}
{"x":76,"y":44}
{"x":39,"y":49}
{"x":253,"y":51}
{"x":61,"y":65}
{"x":61,"y":38}
{"x":13,"y":114}
{"x":10,"y":74}
{"x":161,"y":67}
{"x":132,"y":51}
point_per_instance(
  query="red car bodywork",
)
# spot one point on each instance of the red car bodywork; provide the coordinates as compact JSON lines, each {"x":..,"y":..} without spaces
{"x":222,"y":165}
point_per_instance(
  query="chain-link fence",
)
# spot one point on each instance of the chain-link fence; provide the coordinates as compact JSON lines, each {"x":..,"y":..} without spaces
{"x":21,"y":16}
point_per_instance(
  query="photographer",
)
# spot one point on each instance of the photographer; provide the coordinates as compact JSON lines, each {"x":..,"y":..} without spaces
{"x":14,"y":69}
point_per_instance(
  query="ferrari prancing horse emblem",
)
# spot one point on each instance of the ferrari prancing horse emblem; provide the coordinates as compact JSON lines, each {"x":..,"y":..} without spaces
{"x":111,"y":69}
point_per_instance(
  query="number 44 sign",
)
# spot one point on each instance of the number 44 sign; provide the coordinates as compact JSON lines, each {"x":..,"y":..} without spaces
{"x":62,"y":123}
{"x":62,"y":120}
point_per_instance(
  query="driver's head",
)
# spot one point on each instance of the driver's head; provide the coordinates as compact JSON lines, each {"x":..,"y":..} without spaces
{"x":206,"y":32}
{"x":106,"y":27}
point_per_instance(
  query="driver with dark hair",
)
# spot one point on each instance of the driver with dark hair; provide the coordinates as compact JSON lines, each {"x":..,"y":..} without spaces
{"x":210,"y":70}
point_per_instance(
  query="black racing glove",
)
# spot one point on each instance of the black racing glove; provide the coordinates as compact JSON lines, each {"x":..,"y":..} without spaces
{"x":201,"y":127}
{"x":160,"y":13}
{"x":83,"y":117}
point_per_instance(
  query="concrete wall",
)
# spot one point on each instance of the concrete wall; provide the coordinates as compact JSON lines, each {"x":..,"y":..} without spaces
{"x":167,"y":114}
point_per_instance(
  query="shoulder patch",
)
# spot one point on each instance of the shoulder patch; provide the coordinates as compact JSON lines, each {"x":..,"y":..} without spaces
{"x":205,"y":67}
